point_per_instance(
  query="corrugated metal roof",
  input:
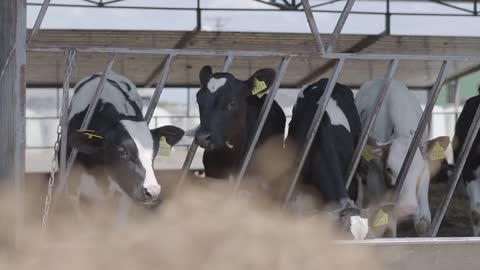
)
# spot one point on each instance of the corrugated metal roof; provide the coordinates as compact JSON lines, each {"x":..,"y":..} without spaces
{"x":47,"y":68}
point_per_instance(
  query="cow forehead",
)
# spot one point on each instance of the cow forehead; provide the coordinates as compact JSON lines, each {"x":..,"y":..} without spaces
{"x":215,"y":83}
{"x":140,"y":134}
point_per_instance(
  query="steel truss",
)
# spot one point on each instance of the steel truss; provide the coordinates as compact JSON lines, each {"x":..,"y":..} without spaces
{"x":325,"y":52}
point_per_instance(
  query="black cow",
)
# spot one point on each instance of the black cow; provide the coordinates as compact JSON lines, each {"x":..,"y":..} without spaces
{"x":332,"y":149}
{"x":118,"y":148}
{"x":471,"y":171}
{"x":229,"y":109}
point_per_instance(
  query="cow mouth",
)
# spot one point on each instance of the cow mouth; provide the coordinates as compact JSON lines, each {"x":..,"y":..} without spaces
{"x":150,"y":204}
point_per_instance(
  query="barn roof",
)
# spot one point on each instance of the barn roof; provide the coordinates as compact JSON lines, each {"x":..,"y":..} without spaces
{"x":46,"y":69}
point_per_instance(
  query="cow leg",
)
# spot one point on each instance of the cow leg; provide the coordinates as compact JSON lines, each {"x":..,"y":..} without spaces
{"x":473,"y":191}
{"x":423,"y":217}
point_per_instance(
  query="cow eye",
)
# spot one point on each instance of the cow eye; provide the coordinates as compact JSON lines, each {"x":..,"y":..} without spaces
{"x":122,"y":151}
{"x":231,"y":105}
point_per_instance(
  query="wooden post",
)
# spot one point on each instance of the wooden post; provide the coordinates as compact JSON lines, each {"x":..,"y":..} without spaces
{"x":13,"y":32}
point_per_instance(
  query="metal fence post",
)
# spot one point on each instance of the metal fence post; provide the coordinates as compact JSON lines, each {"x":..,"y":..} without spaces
{"x":313,"y":27}
{"x":392,"y":67}
{"x":192,"y":149}
{"x":317,"y":119}
{"x":452,"y":183}
{"x":281,"y":70}
{"x":422,"y":124}
{"x":340,"y":23}
{"x":159,"y":88}
{"x":86,"y":122}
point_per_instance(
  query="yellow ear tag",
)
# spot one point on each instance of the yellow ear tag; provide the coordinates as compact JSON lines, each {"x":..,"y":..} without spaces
{"x":367,"y":153}
{"x":381,"y":219}
{"x":90,"y":135}
{"x":258,"y":87}
{"x":437,"y":152}
{"x":164,"y":149}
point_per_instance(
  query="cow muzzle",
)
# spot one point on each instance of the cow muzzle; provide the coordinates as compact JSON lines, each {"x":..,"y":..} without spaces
{"x":151,"y":195}
{"x":204,"y":140}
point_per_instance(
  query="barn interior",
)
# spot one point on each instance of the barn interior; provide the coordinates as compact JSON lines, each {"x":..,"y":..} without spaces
{"x":393,"y":27}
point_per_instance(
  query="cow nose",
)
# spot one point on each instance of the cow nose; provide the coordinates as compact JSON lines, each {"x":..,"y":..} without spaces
{"x":203,"y":138}
{"x":151,"y":192}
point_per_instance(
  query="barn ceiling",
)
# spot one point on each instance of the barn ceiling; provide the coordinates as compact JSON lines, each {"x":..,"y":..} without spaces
{"x":46,"y":69}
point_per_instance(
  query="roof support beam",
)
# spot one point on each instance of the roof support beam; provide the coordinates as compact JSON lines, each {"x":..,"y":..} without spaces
{"x":357,"y":47}
{"x":187,"y":37}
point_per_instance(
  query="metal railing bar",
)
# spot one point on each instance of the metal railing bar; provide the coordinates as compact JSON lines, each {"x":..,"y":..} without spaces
{"x":159,"y":88}
{"x":68,"y":72}
{"x":7,"y":62}
{"x":313,"y":26}
{"x":192,"y":149}
{"x":452,"y":6}
{"x":280,"y":72}
{"x":38,"y":21}
{"x":85,"y":124}
{"x":459,"y":164}
{"x":258,"y":10}
{"x":194,"y":52}
{"x":392,"y":67}
{"x":339,"y":26}
{"x":317,"y":119}
{"x":422,"y":124}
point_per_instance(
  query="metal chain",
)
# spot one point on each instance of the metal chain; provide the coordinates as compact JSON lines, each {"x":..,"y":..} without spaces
{"x":69,"y":70}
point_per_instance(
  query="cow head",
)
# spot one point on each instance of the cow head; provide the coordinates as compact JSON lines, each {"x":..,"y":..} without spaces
{"x":222,"y":101}
{"x":126,"y":151}
{"x":391,"y":155}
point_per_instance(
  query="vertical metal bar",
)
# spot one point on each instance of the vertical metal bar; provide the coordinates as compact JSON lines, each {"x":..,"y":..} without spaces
{"x":340,"y":23}
{"x":192,"y":149}
{"x":392,"y":67}
{"x":7,"y":62}
{"x":38,"y":22}
{"x":317,"y":119}
{"x":199,"y":16}
{"x":227,"y":63}
{"x":68,"y":71}
{"x":281,"y":70}
{"x":467,"y":146}
{"x":85,"y":124}
{"x":422,"y":124}
{"x":388,"y":16}
{"x":313,"y":26}
{"x":475,"y":8}
{"x":158,"y":89}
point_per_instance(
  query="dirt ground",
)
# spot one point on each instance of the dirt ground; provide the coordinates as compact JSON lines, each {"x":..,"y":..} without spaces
{"x":457,"y":220}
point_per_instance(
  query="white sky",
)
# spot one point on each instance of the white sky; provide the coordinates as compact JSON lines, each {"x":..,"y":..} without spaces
{"x":131,"y":19}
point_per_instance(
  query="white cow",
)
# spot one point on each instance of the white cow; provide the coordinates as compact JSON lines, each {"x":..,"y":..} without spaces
{"x":389,"y":141}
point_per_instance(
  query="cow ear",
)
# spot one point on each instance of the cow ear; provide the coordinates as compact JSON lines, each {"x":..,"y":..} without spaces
{"x":205,"y":75}
{"x":375,"y":150}
{"x":261,"y":81}
{"x":436,"y":148}
{"x":171,"y":134}
{"x":86,"y":141}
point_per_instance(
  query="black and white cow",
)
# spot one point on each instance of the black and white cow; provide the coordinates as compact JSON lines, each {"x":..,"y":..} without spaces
{"x":332,"y":150}
{"x":229,"y":109}
{"x":471,"y":171}
{"x":118,"y":148}
{"x":388,"y":144}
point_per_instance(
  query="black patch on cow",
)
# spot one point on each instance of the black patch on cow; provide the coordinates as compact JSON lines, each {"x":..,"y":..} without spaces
{"x":461,"y":129}
{"x":333,"y":147}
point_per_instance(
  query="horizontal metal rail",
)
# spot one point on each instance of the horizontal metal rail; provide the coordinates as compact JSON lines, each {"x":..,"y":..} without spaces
{"x":413,"y":241}
{"x":194,"y":9}
{"x":198,"y":52}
